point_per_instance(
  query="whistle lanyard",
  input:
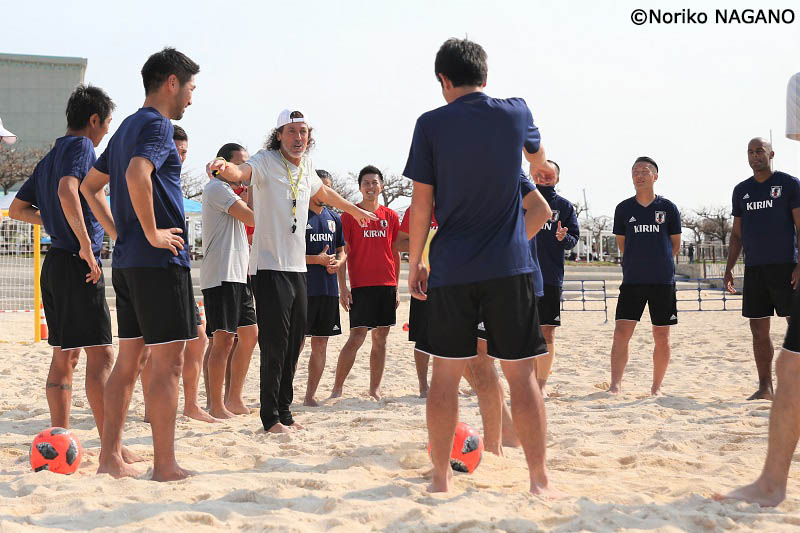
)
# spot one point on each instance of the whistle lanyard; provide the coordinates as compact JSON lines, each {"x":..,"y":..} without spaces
{"x":294,"y":185}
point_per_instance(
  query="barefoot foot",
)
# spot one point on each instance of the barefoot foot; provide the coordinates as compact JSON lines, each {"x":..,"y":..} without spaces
{"x":237,"y":407}
{"x":311,"y":402}
{"x":220,"y":413}
{"x":441,"y":483}
{"x":546,"y":491}
{"x":116,"y":467}
{"x":278,"y":428}
{"x":198,"y":414}
{"x":129,"y":457}
{"x":336,"y":393}
{"x":755,"y":493}
{"x":172,"y":473}
{"x":295,"y":426}
{"x":376,"y":394}
{"x":761,"y":394}
{"x":423,"y":391}
{"x":614,"y":389}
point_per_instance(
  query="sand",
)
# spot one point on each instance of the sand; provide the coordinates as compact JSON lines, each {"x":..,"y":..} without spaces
{"x":627,"y":463}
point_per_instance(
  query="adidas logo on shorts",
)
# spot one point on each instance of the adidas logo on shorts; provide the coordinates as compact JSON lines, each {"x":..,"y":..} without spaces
{"x":673,"y":317}
{"x":335,"y":328}
{"x":633,"y":219}
{"x":746,"y":196}
{"x":557,"y":318}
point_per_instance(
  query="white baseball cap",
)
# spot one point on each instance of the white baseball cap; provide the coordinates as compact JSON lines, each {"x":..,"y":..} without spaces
{"x":6,"y":136}
{"x":286,"y":118}
{"x":793,"y":108}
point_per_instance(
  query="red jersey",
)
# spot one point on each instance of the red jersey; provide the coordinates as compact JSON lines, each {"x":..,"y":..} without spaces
{"x":405,"y":225}
{"x":370,"y":260}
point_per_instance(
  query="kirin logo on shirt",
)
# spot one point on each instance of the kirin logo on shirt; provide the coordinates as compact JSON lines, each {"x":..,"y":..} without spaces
{"x":332,"y":226}
{"x":661,"y":216}
{"x":775,"y":191}
{"x":554,"y":216}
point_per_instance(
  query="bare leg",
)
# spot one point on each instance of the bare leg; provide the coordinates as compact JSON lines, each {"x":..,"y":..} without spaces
{"x":377,"y":361}
{"x":223,"y":340}
{"x":163,"y":399}
{"x":661,"y":355}
{"x":228,"y":368}
{"x":316,"y":365}
{"x":623,"y":330}
{"x":530,"y":421}
{"x":784,"y":429}
{"x":442,"y":417}
{"x":545,"y":362}
{"x":346,"y":359}
{"x":206,"y":355}
{"x":58,"y":388}
{"x":99,"y":361}
{"x":486,"y":384}
{"x":145,"y":376}
{"x":239,"y":363}
{"x":192,"y":367}
{"x":763,"y":352}
{"x":421,"y":360}
{"x":116,"y":399}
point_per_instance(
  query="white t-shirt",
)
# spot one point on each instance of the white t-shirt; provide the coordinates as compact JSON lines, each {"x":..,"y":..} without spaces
{"x":793,"y":108}
{"x":225,"y":247}
{"x":275,"y":247}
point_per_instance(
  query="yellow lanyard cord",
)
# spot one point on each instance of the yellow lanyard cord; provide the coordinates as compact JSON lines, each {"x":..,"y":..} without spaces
{"x":294,"y":185}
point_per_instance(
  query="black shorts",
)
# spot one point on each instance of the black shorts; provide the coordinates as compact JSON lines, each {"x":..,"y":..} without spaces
{"x":373,"y":307}
{"x":229,"y":307}
{"x":550,"y":306}
{"x":322,"y":317}
{"x":660,"y":298}
{"x":76,"y":312}
{"x":767,"y":289}
{"x":156,"y":304}
{"x":792,"y":340}
{"x":418,"y":324}
{"x":507,"y":307}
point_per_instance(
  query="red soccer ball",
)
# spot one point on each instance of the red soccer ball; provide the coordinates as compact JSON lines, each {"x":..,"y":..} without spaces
{"x":467,"y":449}
{"x":56,"y":450}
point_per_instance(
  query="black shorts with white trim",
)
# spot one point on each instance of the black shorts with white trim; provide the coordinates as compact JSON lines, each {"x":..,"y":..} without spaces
{"x":767,"y":289}
{"x":660,"y":298}
{"x":322,"y":317}
{"x":77,"y":312}
{"x":156,"y":304}
{"x":550,"y":306}
{"x":373,"y":307}
{"x":507,"y":307}
{"x":229,"y":306}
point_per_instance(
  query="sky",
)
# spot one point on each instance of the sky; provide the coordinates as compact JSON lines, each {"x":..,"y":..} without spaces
{"x":601,"y":89}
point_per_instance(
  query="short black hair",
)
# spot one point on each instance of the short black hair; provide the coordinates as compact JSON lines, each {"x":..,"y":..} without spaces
{"x":369,"y":169}
{"x":462,"y":61}
{"x":228,"y":149}
{"x":558,"y":168}
{"x":646,"y":159}
{"x":324,"y":174}
{"x":161,"y":65}
{"x":179,"y":134}
{"x":85,"y":101}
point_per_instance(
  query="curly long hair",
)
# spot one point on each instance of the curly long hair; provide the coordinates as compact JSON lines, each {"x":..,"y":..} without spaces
{"x":272,"y":142}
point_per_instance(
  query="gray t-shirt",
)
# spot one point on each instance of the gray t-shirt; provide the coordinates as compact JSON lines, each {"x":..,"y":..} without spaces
{"x":225,"y":248}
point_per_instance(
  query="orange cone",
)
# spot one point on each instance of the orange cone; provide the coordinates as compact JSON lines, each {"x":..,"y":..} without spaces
{"x":43,"y":324}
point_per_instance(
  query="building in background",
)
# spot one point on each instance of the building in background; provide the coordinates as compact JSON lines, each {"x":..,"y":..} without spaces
{"x":33,"y":95}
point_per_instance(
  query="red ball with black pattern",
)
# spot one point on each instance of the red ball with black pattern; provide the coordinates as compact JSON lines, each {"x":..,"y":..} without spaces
{"x":56,"y":450}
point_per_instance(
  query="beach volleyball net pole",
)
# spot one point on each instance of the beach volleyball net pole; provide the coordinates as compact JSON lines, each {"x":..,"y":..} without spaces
{"x":20,"y":268}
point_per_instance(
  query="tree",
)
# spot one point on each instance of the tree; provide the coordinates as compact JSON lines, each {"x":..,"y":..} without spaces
{"x":346,"y":187}
{"x":597,"y":225}
{"x":192,"y":184}
{"x":692,"y":222}
{"x":17,"y":164}
{"x":716,"y":222}
{"x":396,"y":186}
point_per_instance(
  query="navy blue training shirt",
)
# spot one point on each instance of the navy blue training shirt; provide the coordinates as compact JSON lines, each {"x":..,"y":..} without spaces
{"x":470,"y":151}
{"x":70,"y":156}
{"x":146,"y":133}
{"x":648,"y":248}
{"x":551,"y":250}
{"x":768,"y":232}
{"x":323,"y":229}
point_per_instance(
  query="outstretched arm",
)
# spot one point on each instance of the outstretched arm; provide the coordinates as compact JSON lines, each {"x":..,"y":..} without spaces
{"x":328,"y":196}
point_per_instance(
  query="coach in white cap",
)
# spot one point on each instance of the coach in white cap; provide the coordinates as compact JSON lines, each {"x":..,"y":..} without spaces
{"x":282,"y":180}
{"x":6,"y":136}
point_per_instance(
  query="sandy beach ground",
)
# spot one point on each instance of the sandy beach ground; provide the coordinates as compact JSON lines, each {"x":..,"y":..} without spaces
{"x":627,"y":463}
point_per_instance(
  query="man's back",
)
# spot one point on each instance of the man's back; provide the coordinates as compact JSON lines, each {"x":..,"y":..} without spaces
{"x":471,"y":151}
